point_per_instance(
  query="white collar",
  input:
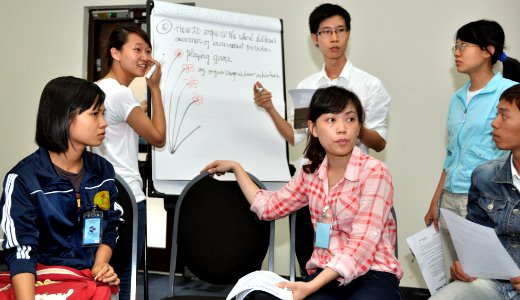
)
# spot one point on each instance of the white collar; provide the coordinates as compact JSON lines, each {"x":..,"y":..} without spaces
{"x":515,"y":177}
{"x":513,"y":170}
{"x":343,"y":76}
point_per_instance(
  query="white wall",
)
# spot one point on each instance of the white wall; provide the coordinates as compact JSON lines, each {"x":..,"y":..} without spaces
{"x":406,"y":43}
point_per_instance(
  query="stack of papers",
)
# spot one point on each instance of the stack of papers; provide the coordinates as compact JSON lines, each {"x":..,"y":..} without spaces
{"x":478,"y":248}
{"x":260,"y":281}
{"x":426,"y":246}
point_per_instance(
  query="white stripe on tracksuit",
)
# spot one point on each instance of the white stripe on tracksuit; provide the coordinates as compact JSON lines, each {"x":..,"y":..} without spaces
{"x":7,"y":221}
{"x":22,"y":252}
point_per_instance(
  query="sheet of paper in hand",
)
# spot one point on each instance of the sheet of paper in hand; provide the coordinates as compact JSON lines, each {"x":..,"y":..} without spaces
{"x":474,"y":243}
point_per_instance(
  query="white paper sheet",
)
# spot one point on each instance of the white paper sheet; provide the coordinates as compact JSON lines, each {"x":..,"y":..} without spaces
{"x":210,"y":62}
{"x":479,"y":250}
{"x":260,"y":281}
{"x":301,"y":97}
{"x":426,"y":246}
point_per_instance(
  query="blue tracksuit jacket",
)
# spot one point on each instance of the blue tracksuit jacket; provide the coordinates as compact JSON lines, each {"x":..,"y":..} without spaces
{"x":40,"y":215}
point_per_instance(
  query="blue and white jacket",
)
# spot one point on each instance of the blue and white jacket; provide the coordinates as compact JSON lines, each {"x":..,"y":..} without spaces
{"x":470,"y":141}
{"x":40,"y":215}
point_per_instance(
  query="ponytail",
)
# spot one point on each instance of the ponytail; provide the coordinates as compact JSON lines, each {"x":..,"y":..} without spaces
{"x":510,"y":67}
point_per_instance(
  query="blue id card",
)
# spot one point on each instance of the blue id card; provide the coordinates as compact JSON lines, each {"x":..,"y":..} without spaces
{"x":322,"y":237}
{"x":92,"y":230}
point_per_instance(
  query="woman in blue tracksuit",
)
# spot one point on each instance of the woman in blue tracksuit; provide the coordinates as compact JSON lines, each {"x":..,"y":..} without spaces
{"x":51,"y":195}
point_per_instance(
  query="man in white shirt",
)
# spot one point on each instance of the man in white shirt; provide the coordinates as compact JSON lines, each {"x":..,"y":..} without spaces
{"x":330,"y":30}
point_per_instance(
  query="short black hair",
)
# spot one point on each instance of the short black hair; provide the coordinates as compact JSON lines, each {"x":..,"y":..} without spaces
{"x":62,"y":99}
{"x":326,"y":11}
{"x":512,"y":94}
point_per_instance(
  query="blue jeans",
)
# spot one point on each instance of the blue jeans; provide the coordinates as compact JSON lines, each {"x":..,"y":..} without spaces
{"x":124,"y":286}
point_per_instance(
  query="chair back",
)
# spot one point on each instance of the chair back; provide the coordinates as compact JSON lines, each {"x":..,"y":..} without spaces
{"x":392,"y":211}
{"x":302,"y":240}
{"x":126,"y":248}
{"x":215,"y":234}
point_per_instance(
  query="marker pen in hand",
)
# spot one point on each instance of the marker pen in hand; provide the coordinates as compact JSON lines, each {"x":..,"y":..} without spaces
{"x":150,"y":72}
{"x":259,"y":89}
{"x":152,"y":69}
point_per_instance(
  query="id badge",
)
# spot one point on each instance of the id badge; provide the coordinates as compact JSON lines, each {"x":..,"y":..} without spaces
{"x":92,"y":228}
{"x":322,"y":237}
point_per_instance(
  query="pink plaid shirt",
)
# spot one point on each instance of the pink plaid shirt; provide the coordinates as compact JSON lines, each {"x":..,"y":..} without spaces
{"x":363,"y":229}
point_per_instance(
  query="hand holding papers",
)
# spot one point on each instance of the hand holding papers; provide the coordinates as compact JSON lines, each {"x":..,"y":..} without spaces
{"x":301,"y":99}
{"x":260,"y":281}
{"x":426,"y":246}
{"x":479,"y":250}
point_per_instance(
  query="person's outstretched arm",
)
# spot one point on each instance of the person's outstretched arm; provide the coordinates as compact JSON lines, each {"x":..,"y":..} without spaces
{"x":302,"y":289}
{"x":263,"y":98}
{"x":248,"y":187}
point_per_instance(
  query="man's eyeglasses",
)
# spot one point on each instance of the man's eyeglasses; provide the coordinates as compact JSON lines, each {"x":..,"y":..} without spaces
{"x":327,"y":32}
{"x":461,"y":47}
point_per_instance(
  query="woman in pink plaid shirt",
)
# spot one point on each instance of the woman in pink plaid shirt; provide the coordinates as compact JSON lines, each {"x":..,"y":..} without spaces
{"x":350,"y":196}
